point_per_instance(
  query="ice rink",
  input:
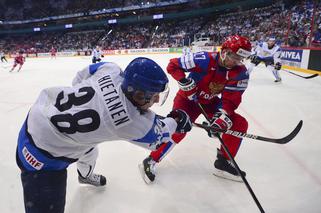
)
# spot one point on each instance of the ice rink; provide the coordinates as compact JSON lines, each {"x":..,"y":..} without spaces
{"x":285,"y":178}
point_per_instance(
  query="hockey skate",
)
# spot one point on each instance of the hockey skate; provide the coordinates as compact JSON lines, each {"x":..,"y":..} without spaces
{"x":147,"y":170}
{"x":225,"y":169}
{"x":93,"y":179}
{"x":276,"y":74}
{"x":278,"y":80}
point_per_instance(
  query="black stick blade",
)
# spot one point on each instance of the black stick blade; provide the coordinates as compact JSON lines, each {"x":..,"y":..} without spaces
{"x":283,"y":140}
{"x":287,"y":138}
{"x":305,"y":77}
{"x":311,"y":76}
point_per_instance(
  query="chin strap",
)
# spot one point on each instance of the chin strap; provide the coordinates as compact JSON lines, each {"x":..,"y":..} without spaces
{"x":130,"y":98}
{"x":223,"y":60}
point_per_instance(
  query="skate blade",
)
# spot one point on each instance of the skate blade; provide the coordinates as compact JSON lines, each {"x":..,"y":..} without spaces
{"x":82,"y":183}
{"x":227,"y":176}
{"x":144,"y":176}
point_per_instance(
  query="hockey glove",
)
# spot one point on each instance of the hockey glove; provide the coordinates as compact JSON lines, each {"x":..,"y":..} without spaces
{"x":220,"y":120}
{"x":189,"y":87}
{"x":184,"y":123}
{"x":254,"y":59}
{"x":277,"y":66}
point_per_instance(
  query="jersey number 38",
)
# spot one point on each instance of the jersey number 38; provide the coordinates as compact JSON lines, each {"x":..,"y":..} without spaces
{"x":83,"y":121}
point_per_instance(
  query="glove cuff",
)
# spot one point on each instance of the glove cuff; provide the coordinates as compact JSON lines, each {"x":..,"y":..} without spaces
{"x":186,"y":84}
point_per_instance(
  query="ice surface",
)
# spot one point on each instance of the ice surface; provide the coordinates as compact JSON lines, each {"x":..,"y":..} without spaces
{"x":285,"y":178}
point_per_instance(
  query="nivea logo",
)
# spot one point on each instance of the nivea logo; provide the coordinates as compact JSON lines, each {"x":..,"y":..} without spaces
{"x":292,"y":55}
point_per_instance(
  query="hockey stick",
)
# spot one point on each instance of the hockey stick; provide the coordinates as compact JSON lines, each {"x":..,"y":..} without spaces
{"x":305,"y":77}
{"x":283,"y":140}
{"x":234,"y":163}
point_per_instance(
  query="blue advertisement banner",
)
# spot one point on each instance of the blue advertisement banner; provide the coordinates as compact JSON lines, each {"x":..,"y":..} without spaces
{"x":291,"y":55}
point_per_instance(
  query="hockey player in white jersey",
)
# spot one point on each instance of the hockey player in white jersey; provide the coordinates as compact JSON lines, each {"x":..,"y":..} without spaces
{"x":3,"y":57}
{"x":66,"y":124}
{"x":269,"y":53}
{"x":96,"y":55}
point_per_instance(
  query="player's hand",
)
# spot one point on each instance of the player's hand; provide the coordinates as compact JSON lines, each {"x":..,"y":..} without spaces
{"x":188,"y":86}
{"x":277,"y":66}
{"x":184,"y":123}
{"x":220,"y":120}
{"x":254,"y":59}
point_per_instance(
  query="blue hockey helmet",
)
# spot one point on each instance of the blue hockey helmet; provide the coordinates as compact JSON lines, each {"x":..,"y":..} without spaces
{"x":144,"y":74}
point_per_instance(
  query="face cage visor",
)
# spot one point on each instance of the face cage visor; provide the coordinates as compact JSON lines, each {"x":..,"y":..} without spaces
{"x":158,"y":98}
{"x":161,"y":96}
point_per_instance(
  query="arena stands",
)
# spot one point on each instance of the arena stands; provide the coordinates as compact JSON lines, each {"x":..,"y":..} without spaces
{"x":291,"y":24}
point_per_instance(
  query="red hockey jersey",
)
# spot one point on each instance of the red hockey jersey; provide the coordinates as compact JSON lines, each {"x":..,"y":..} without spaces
{"x":19,"y":59}
{"x":211,"y":79}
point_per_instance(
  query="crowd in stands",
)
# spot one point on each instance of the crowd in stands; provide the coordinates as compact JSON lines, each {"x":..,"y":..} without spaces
{"x":290,"y":26}
{"x":33,"y":9}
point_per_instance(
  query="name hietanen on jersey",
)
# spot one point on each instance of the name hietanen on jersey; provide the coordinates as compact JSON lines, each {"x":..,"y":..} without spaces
{"x":113,"y":102}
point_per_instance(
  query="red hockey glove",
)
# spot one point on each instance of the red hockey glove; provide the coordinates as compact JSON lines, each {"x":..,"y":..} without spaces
{"x":220,"y":120}
{"x":189,"y":87}
{"x":184,"y":123}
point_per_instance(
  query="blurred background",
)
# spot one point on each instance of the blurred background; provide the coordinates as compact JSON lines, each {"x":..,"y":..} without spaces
{"x":37,"y":26}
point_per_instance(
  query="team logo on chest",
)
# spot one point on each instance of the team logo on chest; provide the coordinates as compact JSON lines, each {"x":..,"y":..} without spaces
{"x":215,"y":88}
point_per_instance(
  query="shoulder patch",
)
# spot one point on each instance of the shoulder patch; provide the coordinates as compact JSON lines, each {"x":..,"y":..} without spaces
{"x":243,"y":83}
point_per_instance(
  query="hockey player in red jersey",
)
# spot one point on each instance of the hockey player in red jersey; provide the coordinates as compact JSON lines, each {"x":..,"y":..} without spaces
{"x":53,"y":53}
{"x":216,"y":80}
{"x":19,"y":59}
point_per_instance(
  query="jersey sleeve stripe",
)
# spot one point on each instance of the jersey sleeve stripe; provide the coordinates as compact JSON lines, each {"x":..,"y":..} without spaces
{"x":190,"y":61}
{"x":187,"y":61}
{"x":182,"y":61}
{"x":235,"y":88}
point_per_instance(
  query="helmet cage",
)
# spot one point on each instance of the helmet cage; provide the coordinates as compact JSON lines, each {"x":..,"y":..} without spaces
{"x":148,"y":95}
{"x":143,"y":79}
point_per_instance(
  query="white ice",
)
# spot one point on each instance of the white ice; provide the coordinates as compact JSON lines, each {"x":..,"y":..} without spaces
{"x":285,"y":178}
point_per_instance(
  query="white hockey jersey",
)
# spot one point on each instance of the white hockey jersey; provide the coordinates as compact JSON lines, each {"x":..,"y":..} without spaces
{"x":69,"y":121}
{"x":262,"y":50}
{"x":96,"y":53}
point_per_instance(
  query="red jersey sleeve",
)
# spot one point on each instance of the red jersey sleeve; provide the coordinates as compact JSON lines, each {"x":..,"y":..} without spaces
{"x":234,"y":89}
{"x":174,"y":69}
